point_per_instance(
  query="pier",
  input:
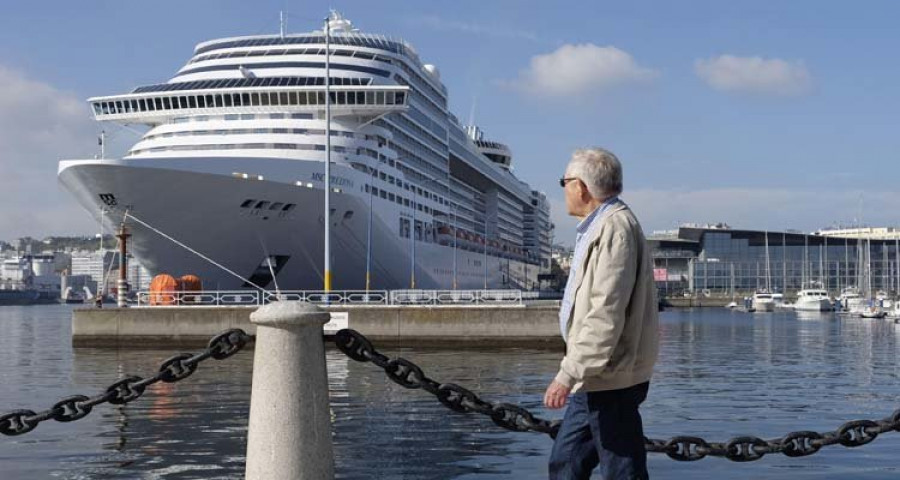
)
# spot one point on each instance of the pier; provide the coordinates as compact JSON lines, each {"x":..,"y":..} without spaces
{"x":496,"y":325}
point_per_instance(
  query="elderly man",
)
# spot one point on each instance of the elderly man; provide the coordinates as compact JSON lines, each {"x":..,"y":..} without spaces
{"x":608,"y":319}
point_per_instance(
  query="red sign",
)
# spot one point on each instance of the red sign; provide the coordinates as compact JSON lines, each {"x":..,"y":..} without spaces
{"x":659,"y":274}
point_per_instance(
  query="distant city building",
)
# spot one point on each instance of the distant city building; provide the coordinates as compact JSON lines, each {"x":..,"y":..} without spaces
{"x":716,"y":260}
{"x":103,"y":269}
{"x":879,"y":233}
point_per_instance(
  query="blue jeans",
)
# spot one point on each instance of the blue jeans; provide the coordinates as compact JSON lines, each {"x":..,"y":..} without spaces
{"x":602,"y":428}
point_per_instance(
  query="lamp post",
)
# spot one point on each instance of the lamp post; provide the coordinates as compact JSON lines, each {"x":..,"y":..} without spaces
{"x":412,"y":240}
{"x":369,"y":245}
{"x":484,"y":258}
{"x":327,"y":253}
{"x":455,"y":208}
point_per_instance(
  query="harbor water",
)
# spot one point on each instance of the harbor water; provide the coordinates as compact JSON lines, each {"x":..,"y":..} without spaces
{"x":720,"y":374}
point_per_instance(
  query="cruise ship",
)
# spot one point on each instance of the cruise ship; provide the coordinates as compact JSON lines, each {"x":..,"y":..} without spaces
{"x":233,"y":167}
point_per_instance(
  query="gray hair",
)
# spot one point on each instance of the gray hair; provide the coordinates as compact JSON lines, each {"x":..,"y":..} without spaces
{"x":599,"y":169}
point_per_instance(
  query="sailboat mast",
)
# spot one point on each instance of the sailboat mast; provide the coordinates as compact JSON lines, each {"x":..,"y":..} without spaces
{"x":768,"y":272}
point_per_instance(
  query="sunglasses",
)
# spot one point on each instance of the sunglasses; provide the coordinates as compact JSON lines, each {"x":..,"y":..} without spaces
{"x":563,"y":181}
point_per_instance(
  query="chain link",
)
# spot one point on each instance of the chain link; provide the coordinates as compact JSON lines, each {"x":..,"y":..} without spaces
{"x":682,"y":448}
{"x":126,"y":389}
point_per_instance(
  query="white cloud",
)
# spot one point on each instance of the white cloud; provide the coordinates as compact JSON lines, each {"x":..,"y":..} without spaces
{"x":775,"y":209}
{"x":577,"y":69}
{"x":39,"y":125}
{"x":729,"y":73}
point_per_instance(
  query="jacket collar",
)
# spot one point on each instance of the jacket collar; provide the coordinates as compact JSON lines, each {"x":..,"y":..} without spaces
{"x":616,"y":207}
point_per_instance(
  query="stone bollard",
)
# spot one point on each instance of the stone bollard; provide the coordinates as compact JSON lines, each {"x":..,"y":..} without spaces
{"x":289,"y":435}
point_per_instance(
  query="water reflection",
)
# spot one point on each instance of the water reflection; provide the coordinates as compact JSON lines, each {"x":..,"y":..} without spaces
{"x":720,"y":374}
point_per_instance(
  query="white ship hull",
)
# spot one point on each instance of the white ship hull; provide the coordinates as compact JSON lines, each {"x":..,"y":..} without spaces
{"x":203,"y":210}
{"x":813,"y":305}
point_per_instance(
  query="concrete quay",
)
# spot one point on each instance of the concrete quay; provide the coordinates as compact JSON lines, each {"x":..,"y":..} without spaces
{"x":468,"y":325}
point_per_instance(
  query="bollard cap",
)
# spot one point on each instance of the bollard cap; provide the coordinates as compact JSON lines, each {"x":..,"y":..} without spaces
{"x":290,"y":314}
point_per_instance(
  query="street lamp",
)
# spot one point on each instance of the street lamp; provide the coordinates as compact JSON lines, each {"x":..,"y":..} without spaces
{"x":369,"y":244}
{"x":455,"y":210}
{"x":484,"y":260}
{"x":327,"y":276}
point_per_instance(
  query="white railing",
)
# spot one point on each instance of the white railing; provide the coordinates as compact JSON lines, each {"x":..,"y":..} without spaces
{"x":224,"y":298}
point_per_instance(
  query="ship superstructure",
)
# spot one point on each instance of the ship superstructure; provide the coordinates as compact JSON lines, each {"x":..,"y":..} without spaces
{"x":233,"y":166}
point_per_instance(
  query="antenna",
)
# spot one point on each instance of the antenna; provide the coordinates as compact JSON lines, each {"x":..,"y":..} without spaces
{"x":472,"y":110}
{"x":282,"y":22}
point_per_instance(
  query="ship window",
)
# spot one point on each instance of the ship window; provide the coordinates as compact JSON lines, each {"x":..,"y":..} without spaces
{"x":391,"y":197}
{"x":167,"y":104}
{"x":261,"y":204}
{"x":231,"y":117}
{"x":158,"y":103}
{"x":375,"y":191}
{"x":276,"y":206}
{"x":292,"y":98}
{"x":273,"y":97}
{"x":247,"y":203}
{"x":227,"y":99}
{"x":254,"y":99}
{"x":367,"y":188}
{"x":284,"y":98}
{"x":341,"y":98}
{"x":264,"y":99}
{"x":348,"y":214}
{"x":400,"y":98}
{"x":370,"y":98}
{"x":379,"y":98}
{"x":382,"y":194}
{"x":201,"y":101}
{"x":192,"y":102}
{"x":404,"y":228}
{"x":405,"y":202}
{"x":288,"y":207}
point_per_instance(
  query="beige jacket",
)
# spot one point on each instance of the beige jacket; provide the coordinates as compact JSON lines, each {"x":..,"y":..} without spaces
{"x":612,"y":334}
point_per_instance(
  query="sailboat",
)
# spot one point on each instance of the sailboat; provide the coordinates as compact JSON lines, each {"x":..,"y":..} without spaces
{"x":812,"y":297}
{"x":764,"y":300}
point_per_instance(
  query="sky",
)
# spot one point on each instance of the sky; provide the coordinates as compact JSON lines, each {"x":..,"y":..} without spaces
{"x":760,"y":114}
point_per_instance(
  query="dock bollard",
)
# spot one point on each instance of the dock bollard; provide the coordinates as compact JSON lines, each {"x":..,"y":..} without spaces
{"x":289,"y":435}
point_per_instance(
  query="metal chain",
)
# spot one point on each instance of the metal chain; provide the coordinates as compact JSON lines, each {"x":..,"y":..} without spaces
{"x":683,"y":448}
{"x":127,"y":389}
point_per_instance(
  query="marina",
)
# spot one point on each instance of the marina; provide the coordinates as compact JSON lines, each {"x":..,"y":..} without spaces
{"x":720,"y":374}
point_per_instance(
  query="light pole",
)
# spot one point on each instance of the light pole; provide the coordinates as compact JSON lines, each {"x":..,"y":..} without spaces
{"x":455,"y":207}
{"x":484,"y":258}
{"x":327,"y":156}
{"x":369,"y":245}
{"x":412,"y":240}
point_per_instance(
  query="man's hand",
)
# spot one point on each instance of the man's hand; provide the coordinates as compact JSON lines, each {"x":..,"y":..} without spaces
{"x":556,"y":395}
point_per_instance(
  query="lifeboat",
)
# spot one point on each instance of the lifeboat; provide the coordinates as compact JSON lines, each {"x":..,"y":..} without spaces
{"x":164,"y":290}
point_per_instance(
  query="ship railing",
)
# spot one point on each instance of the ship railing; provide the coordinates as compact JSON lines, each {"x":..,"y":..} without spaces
{"x":227,"y":298}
